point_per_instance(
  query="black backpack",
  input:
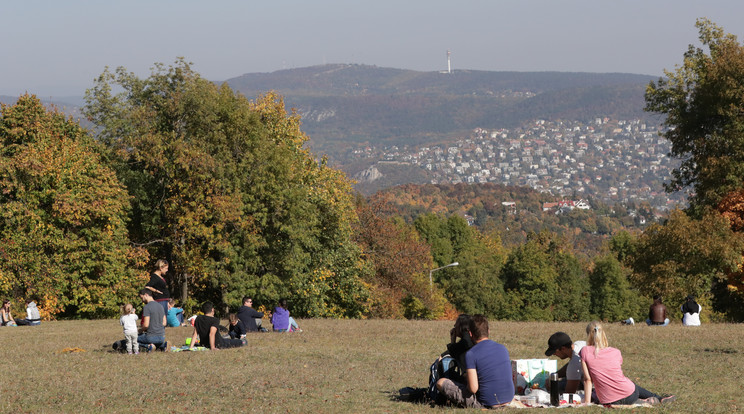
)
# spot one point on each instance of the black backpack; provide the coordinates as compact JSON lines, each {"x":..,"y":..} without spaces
{"x":446,"y":367}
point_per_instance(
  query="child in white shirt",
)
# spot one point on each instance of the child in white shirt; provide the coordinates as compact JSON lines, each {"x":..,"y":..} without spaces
{"x":129,"y":321}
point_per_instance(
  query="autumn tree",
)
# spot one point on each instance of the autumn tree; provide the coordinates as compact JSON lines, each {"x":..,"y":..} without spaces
{"x":703,"y":101}
{"x":224,"y":188}
{"x":401,"y":260}
{"x":63,"y":212}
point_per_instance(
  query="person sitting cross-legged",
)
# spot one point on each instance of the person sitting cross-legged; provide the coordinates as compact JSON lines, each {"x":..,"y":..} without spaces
{"x":487,"y":370}
{"x":207,"y":329}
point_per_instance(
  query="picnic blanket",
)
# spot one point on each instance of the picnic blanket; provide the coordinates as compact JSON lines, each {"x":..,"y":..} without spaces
{"x":186,"y":348}
{"x":518,"y":403}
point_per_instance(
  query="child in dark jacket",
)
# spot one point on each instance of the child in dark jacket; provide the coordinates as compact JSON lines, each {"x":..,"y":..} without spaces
{"x":236,"y":329}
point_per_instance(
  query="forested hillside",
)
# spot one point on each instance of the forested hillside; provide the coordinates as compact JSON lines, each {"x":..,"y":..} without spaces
{"x":513,"y":213}
{"x":345,"y":105}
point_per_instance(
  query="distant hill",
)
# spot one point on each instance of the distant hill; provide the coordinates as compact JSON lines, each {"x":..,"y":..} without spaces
{"x":344,"y":104}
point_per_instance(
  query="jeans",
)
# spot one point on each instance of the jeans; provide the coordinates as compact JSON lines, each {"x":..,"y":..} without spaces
{"x":638,"y":393}
{"x":649,"y":323}
{"x":145,"y":339}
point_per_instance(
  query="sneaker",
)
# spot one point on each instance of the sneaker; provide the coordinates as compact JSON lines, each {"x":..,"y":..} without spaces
{"x":129,"y":352}
{"x":136,"y":353}
{"x":632,"y":322}
{"x":668,"y":399}
{"x":164,"y":346}
{"x":150,"y":347}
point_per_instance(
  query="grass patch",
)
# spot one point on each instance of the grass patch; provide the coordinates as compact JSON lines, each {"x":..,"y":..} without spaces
{"x":333,"y":366}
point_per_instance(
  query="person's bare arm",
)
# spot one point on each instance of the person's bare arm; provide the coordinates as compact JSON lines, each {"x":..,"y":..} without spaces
{"x":145,"y":322}
{"x":152,"y":289}
{"x":212,"y":334}
{"x":472,"y":375}
{"x":587,"y":384}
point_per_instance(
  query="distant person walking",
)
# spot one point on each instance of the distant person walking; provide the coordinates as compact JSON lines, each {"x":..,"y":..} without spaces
{"x":158,"y":285}
{"x":691,"y":312}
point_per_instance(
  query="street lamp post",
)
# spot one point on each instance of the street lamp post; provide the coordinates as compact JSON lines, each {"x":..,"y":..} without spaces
{"x":431,"y":281}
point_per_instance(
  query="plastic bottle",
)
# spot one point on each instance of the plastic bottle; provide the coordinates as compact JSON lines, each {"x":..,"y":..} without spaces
{"x":554,"y":391}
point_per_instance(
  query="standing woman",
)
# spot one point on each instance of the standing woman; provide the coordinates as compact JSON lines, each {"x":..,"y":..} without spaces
{"x":602,"y":365}
{"x":157,"y":284}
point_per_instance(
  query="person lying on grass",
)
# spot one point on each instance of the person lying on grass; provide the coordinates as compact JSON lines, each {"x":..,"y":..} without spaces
{"x":487,"y":370}
{"x":207,"y":327}
{"x":602,"y":365}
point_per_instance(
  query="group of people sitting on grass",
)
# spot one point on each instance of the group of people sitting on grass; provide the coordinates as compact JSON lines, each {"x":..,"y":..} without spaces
{"x":657,"y":313}
{"x":32,"y":315}
{"x":150,"y":335}
{"x":482,"y":374}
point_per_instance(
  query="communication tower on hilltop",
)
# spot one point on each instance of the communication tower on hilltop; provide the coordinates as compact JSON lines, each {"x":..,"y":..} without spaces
{"x":449,"y":62}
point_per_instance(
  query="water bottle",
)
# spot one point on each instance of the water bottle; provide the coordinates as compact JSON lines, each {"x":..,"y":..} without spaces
{"x":554,"y":391}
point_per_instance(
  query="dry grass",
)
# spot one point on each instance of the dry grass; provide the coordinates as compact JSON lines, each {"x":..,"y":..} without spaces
{"x":334,"y":366}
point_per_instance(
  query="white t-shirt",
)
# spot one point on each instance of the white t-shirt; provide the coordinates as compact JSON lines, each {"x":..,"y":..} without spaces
{"x":692,"y":319}
{"x":574,"y":370}
{"x":129,"y":322}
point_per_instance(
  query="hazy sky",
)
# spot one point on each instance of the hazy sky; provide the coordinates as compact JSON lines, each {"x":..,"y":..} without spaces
{"x":56,"y":48}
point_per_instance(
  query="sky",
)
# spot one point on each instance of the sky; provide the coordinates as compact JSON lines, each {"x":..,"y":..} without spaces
{"x":57,"y":48}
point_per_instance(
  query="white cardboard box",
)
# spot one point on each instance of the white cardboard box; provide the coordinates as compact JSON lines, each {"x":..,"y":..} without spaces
{"x":527,"y":372}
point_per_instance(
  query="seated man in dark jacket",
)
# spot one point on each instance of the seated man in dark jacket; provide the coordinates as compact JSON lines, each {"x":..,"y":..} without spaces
{"x":249,"y":315}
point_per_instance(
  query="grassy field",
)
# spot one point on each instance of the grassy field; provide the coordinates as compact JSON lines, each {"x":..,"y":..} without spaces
{"x":333,"y":366}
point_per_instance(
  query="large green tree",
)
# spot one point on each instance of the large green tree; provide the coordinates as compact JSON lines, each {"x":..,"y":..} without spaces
{"x":63,"y":234}
{"x":612,"y":298}
{"x":703,"y":101}
{"x":224,"y":188}
{"x":474,"y":285}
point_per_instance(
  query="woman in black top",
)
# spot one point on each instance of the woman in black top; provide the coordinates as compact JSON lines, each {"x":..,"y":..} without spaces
{"x":157,"y":284}
{"x":457,"y":349}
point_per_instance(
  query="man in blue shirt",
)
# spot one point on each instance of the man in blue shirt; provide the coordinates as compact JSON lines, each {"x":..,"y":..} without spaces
{"x":487,"y":369}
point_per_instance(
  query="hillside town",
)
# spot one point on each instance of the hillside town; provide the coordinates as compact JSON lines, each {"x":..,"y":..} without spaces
{"x":610,"y":160}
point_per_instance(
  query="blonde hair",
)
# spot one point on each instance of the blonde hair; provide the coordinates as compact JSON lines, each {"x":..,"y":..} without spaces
{"x":127,"y":309}
{"x":596,"y":336}
{"x":233,"y":318}
{"x":161,"y":263}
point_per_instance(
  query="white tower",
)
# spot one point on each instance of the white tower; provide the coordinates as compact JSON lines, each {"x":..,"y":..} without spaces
{"x":449,"y":63}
